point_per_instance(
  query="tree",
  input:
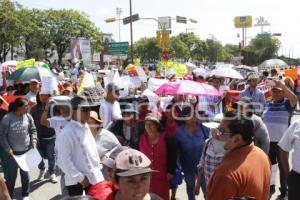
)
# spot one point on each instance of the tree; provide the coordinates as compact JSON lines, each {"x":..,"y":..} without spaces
{"x":147,"y":49}
{"x":9,"y":24}
{"x":179,"y":49}
{"x":66,"y":25}
{"x":228,"y":52}
{"x":261,"y":48}
{"x":214,"y":50}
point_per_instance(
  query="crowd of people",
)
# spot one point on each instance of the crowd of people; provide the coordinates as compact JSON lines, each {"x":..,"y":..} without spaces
{"x":112,"y":148}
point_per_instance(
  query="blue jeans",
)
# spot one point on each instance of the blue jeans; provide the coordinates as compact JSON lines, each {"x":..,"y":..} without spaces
{"x":47,"y":150}
{"x":190,"y":179}
{"x":12,"y":171}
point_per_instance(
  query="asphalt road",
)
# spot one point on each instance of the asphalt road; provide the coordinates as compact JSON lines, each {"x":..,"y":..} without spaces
{"x":45,"y":190}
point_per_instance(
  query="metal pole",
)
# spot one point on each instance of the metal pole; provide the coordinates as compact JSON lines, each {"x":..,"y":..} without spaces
{"x":119,"y":11}
{"x":131,"y":32}
{"x":243,"y":44}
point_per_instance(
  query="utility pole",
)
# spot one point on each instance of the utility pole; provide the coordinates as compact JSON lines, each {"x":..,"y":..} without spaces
{"x":119,"y":12}
{"x":131,"y":33}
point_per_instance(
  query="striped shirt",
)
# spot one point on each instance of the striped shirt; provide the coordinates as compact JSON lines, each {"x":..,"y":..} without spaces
{"x":277,"y":118}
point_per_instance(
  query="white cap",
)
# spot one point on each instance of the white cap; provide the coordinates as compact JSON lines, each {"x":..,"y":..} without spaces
{"x":200,"y":72}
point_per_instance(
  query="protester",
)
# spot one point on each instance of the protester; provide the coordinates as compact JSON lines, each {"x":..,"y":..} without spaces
{"x":260,"y":131}
{"x":128,"y":129}
{"x":291,"y":141}
{"x":34,"y":87}
{"x":212,"y":155}
{"x":133,"y":176}
{"x":105,"y":140}
{"x":46,"y":137}
{"x":57,"y":123}
{"x":18,"y":135}
{"x":190,"y":139}
{"x":77,"y":150}
{"x":255,"y":94}
{"x":170,"y":125}
{"x":4,"y":165}
{"x":245,"y":170}
{"x":161,"y":150}
{"x":110,"y":108}
{"x":277,"y":117}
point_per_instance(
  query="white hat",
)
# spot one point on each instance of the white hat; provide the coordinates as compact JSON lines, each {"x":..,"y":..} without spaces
{"x":215,"y":122}
{"x":200,"y":72}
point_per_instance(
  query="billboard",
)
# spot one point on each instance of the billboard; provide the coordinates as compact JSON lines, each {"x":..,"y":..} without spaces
{"x":81,"y":50}
{"x":243,"y":22}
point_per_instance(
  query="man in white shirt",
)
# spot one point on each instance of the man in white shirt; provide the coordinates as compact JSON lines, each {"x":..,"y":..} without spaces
{"x":77,"y":150}
{"x":291,"y":141}
{"x":110,"y":108}
{"x":34,"y":87}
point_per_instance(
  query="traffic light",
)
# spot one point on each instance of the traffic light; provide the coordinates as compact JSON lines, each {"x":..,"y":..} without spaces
{"x":109,"y":20}
{"x":165,"y":38}
{"x":158,"y":38}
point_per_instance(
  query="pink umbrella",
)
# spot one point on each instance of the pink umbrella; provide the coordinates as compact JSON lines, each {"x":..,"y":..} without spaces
{"x":187,"y":87}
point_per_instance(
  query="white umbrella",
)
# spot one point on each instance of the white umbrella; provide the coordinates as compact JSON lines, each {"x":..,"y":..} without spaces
{"x":8,"y":65}
{"x":272,"y":63}
{"x":228,"y":72}
{"x":190,"y":65}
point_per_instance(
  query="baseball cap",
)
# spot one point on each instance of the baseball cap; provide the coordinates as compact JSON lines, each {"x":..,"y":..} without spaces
{"x":215,"y":121}
{"x":34,"y":81}
{"x":200,"y":72}
{"x":152,"y":117}
{"x":131,"y":162}
{"x":112,"y":87}
{"x":81,"y":101}
{"x":252,"y":77}
{"x":129,"y":108}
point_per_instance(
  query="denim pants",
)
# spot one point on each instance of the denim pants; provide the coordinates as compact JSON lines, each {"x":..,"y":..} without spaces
{"x":4,"y":162}
{"x":190,"y":179}
{"x":294,"y":186}
{"x":274,"y":158}
{"x":47,"y":150}
{"x":12,"y":171}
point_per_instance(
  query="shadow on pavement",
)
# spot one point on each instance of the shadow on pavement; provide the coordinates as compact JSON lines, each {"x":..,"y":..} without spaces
{"x":57,"y":197}
{"x":33,"y":186}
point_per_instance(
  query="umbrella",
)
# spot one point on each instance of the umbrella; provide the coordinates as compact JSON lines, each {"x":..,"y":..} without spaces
{"x":272,"y":63}
{"x":8,"y":65}
{"x":28,"y":73}
{"x":190,"y":65}
{"x":227,"y":71}
{"x":245,"y":67}
{"x":187,"y":87}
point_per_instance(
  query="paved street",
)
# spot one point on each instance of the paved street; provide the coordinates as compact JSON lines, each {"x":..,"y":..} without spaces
{"x":45,"y":190}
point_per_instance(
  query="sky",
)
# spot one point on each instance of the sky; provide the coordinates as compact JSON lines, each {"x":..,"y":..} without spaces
{"x":215,"y":17}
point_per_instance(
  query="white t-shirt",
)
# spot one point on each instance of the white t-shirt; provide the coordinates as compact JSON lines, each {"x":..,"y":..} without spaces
{"x":106,"y":141}
{"x":30,"y":96}
{"x":109,"y":112}
{"x":57,"y":123}
{"x":291,"y":140}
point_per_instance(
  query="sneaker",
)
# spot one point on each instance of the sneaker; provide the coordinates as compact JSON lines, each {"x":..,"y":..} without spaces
{"x":53,"y":178}
{"x":25,"y":198}
{"x":41,"y":174}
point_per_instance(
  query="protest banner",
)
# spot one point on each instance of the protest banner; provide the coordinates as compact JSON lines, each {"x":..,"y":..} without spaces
{"x":49,"y":85}
{"x":25,"y":63}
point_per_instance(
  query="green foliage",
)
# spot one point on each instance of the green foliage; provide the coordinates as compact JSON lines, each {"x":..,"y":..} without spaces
{"x":260,"y":49}
{"x":9,"y":24}
{"x":147,"y":49}
{"x":38,"y":33}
